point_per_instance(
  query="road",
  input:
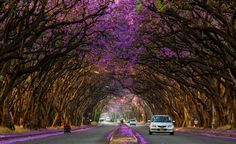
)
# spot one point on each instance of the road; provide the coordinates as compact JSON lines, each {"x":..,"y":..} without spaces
{"x":180,"y":138}
{"x":91,"y":136}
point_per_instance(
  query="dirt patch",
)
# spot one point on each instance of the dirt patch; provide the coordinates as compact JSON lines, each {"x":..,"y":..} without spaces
{"x":124,"y":140}
{"x":123,"y":135}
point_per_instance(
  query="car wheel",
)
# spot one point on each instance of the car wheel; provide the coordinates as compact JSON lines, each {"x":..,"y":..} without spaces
{"x":172,"y":133}
{"x":150,"y":133}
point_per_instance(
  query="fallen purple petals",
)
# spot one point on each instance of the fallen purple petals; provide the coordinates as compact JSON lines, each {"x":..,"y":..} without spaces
{"x":210,"y":135}
{"x":9,"y":141}
{"x":110,"y":134}
{"x":226,"y":134}
{"x":124,"y":130}
{"x":140,"y":138}
{"x":38,"y":134}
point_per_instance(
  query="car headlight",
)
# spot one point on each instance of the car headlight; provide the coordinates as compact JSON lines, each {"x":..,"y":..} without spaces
{"x":153,"y":125}
{"x":169,"y":126}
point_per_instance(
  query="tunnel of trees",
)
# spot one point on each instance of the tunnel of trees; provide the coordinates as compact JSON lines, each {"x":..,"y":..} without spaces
{"x":63,"y":60}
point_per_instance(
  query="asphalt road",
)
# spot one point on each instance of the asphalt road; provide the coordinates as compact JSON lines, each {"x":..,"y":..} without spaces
{"x":91,"y":136}
{"x":98,"y":136}
{"x":180,"y":138}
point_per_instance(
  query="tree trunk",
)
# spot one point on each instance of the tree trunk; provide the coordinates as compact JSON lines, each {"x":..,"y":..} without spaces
{"x":7,"y":119}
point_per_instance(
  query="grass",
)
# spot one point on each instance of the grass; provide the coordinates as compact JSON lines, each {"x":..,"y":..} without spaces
{"x":226,"y":127}
{"x":94,"y":123}
{"x":18,"y":129}
{"x":56,"y":127}
{"x":4,"y":130}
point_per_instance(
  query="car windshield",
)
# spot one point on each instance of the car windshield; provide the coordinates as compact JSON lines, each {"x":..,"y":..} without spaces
{"x":161,"y":119}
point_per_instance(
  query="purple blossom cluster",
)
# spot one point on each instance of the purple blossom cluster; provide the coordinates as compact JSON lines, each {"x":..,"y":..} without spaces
{"x":169,"y":53}
{"x":121,"y":24}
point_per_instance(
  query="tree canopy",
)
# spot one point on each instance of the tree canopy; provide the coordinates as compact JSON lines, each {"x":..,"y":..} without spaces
{"x":61,"y":60}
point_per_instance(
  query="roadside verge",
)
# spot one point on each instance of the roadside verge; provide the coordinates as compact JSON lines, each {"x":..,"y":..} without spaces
{"x":12,"y":138}
{"x":125,"y":134}
{"x":230,"y":134}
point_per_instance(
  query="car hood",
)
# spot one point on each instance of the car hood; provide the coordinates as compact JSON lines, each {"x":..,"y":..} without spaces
{"x":162,"y":123}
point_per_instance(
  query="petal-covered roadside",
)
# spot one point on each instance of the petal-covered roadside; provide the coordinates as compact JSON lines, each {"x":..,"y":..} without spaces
{"x":11,"y":138}
{"x":227,"y":133}
{"x":124,"y":134}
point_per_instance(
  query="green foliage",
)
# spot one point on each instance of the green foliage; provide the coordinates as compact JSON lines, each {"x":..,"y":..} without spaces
{"x":138,"y":6}
{"x":210,"y":2}
{"x":161,"y":5}
{"x":97,"y":117}
{"x":53,"y":110}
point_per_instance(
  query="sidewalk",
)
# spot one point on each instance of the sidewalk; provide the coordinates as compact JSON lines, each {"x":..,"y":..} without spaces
{"x":210,"y":132}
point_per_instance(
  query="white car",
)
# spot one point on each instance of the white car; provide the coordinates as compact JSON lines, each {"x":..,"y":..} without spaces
{"x":108,"y":119}
{"x":161,"y":124}
{"x":132,"y":122}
